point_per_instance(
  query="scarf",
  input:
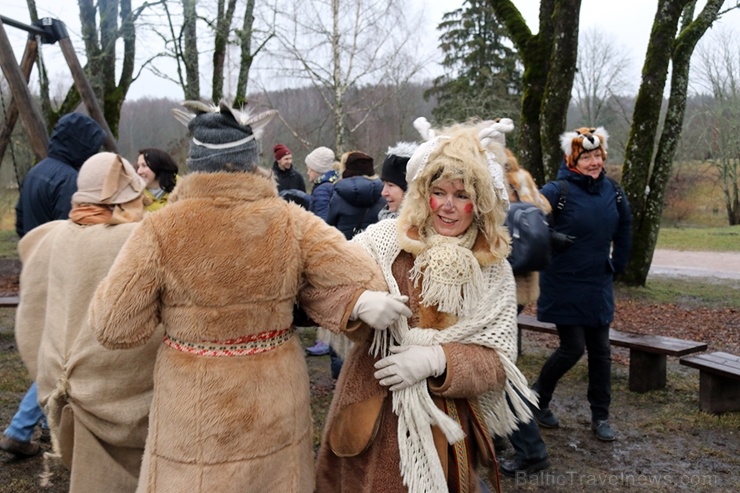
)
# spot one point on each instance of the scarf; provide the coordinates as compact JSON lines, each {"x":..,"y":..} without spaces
{"x":449,"y":273}
{"x":86,"y":214}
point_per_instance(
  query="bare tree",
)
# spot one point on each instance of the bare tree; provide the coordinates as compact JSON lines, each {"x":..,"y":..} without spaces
{"x":601,"y":75}
{"x":103,"y":24}
{"x":189,"y":20}
{"x":718,"y":74}
{"x":340,"y":46}
{"x":549,"y":59}
{"x":645,"y":178}
{"x":101,"y":30}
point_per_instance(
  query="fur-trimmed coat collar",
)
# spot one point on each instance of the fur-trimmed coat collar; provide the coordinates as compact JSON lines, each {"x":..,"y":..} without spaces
{"x":238,"y":187}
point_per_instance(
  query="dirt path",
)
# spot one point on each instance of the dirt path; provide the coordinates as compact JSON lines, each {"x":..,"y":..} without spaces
{"x":724,"y":265}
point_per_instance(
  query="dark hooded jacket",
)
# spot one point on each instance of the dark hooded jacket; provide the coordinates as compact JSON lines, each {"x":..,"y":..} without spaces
{"x":577,"y":287}
{"x":47,"y":189}
{"x":355,"y":204}
{"x":288,"y":179}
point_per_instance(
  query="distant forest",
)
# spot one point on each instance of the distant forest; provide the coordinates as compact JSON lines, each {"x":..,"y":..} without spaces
{"x":148,"y":123}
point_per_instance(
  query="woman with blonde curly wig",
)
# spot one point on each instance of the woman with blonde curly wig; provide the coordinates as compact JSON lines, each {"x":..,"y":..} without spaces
{"x":441,"y":378}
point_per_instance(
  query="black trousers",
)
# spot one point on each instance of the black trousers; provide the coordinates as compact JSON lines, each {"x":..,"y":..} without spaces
{"x":574,"y":339}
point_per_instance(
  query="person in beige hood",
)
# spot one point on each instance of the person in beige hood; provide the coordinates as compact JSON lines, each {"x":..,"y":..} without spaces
{"x":96,"y":400}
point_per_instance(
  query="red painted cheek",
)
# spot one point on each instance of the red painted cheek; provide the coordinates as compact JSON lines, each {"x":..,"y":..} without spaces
{"x":433,"y":203}
{"x":468,"y":208}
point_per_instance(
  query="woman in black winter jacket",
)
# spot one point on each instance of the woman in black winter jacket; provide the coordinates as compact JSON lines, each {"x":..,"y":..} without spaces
{"x":576,"y":290}
{"x":356,"y":199}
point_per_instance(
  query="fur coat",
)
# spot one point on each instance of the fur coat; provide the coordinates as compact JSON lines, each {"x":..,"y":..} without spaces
{"x":96,"y":400}
{"x":227,"y":261}
{"x":359,"y":450}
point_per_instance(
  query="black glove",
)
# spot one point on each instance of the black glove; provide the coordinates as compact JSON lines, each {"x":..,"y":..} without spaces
{"x":560,"y":242}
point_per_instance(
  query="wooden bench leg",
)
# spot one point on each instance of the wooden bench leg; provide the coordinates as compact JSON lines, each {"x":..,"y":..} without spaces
{"x":647,"y":371}
{"x":519,"y":342}
{"x":718,"y":394}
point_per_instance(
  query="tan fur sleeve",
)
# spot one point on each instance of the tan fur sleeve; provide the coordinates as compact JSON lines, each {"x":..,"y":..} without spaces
{"x":336,"y":272}
{"x":471,"y":371}
{"x":125,"y":309}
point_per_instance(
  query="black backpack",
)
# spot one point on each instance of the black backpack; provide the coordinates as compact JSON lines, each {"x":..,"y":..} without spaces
{"x":530,"y":238}
{"x":563,"y":187}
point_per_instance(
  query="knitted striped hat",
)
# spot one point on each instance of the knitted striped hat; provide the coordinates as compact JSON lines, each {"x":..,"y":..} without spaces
{"x":224,"y":139}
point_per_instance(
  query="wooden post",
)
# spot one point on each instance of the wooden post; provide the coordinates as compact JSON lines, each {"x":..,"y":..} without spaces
{"x":11,"y":112}
{"x":86,"y":92}
{"x":647,"y":371}
{"x":30,"y":114}
{"x":718,"y":394}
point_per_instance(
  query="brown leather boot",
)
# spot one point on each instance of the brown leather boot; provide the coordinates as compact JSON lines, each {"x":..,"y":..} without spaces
{"x":18,"y":448}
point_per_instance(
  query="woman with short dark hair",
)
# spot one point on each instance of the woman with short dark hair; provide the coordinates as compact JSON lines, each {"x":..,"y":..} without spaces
{"x":159,"y":172}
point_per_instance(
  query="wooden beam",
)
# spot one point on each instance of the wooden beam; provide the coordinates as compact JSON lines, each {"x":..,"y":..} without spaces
{"x":31,"y":118}
{"x":87,"y":93}
{"x":11,"y":112}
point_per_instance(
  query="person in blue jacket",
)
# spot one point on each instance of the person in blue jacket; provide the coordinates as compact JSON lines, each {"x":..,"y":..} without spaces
{"x":320,"y":166}
{"x":47,"y":189}
{"x":355,"y":203}
{"x":46,"y":195}
{"x":357,"y":199}
{"x":576,"y":290}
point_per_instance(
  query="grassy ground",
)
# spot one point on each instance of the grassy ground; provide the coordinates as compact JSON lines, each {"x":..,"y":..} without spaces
{"x":718,"y":239}
{"x":665,"y":290}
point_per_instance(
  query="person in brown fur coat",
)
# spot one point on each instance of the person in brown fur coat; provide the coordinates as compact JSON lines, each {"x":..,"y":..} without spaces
{"x":414,"y":406}
{"x":221,"y":268}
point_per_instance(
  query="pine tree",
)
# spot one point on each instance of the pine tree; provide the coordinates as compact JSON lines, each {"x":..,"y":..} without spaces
{"x":483,"y":74}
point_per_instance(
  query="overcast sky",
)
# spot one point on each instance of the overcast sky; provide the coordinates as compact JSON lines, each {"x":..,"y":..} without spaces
{"x":626,"y":22}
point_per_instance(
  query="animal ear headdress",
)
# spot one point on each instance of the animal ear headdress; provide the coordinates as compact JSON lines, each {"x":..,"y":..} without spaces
{"x":471,"y":152}
{"x":492,"y":141}
{"x":224,"y":138}
{"x":582,"y":140}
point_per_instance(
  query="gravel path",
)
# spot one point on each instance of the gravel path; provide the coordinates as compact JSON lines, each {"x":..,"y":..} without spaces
{"x":724,"y":265}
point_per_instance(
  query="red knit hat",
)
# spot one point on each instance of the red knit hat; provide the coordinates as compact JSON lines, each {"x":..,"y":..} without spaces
{"x":280,"y":151}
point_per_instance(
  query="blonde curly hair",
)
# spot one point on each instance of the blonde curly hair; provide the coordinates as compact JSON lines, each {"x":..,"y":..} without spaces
{"x":458,"y":154}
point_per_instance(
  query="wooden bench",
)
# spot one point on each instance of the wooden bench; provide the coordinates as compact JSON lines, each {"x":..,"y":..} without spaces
{"x":647,"y":352}
{"x":719,"y":381}
{"x":8,"y":301}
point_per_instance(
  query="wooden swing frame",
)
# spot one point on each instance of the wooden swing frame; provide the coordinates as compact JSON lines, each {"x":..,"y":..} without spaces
{"x":48,"y":31}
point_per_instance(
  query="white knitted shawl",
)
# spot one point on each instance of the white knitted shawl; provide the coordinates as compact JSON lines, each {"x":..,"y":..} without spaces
{"x":492,"y":324}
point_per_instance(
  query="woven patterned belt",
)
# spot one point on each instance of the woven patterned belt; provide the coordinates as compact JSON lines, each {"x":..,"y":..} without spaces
{"x":241,"y":346}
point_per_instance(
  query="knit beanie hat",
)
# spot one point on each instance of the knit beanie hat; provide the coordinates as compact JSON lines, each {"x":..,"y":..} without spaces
{"x":582,"y":140}
{"x":358,"y":164}
{"x":394,"y":165}
{"x":280,"y":151}
{"x":224,"y":139}
{"x":320,"y":160}
{"x":107,"y":178}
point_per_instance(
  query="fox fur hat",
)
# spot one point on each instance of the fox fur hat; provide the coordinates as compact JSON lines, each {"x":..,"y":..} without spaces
{"x":582,"y":140}
{"x":224,"y":138}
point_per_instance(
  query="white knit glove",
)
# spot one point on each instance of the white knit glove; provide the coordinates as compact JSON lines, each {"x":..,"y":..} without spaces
{"x":379,"y":309}
{"x":410,"y":365}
